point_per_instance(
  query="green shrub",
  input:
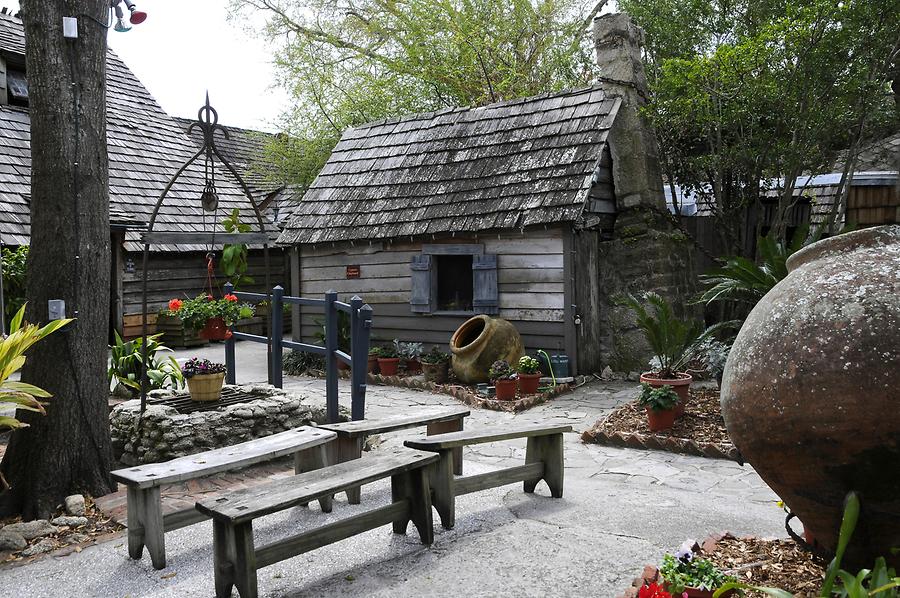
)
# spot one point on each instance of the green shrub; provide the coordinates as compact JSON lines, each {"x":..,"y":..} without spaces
{"x":13,"y":279}
{"x":299,"y":363}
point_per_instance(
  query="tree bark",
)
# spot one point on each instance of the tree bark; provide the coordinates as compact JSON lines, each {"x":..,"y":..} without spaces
{"x":67,"y":451}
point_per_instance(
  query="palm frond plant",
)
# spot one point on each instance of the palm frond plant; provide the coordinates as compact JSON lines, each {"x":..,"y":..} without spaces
{"x":125,"y":360}
{"x":12,"y":357}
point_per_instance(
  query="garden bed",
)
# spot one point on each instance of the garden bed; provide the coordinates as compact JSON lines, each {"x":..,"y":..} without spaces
{"x":701,"y":431}
{"x":770,"y":563}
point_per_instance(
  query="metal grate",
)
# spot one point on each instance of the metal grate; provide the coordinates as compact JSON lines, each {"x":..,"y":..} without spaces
{"x":230,"y":396}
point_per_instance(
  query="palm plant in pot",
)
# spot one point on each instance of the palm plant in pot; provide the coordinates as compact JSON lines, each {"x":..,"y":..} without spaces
{"x":504,"y":379}
{"x":388,"y":360}
{"x":529,"y":377}
{"x":672,"y":340}
{"x":660,"y":403}
{"x":436,"y":365}
{"x":204,"y":378}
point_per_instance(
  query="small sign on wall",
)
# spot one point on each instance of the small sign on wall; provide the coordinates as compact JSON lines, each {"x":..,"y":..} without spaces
{"x":353,"y":271}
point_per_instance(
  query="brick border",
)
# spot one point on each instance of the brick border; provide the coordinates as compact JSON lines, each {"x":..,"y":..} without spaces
{"x":464,"y":394}
{"x":659,"y":442}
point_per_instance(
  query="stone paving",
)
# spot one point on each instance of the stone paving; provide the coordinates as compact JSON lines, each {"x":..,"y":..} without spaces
{"x":622,"y":509}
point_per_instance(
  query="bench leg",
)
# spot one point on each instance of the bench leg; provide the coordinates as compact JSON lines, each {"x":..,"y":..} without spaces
{"x":348,"y":449}
{"x":245,"y":561}
{"x":154,"y":530}
{"x":442,"y":482}
{"x":549,"y":451}
{"x":454,"y":425}
{"x":135,"y":522}
{"x":223,"y":557}
{"x":400,"y":490}
{"x":413,"y":486}
{"x":310,"y":460}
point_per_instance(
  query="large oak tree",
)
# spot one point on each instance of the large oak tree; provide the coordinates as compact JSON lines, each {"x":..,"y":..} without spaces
{"x":68,"y":450}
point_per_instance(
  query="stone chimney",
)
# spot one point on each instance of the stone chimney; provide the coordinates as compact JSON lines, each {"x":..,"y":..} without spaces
{"x":647,"y":252}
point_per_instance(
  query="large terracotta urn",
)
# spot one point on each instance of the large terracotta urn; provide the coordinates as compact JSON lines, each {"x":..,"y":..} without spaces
{"x":481,"y":341}
{"x":810,"y":392}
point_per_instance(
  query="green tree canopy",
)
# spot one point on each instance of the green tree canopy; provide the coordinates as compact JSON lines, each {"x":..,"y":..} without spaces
{"x":346,"y":62}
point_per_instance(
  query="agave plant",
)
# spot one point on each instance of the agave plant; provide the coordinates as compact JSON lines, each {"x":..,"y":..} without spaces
{"x":125,"y":365}
{"x":12,"y":357}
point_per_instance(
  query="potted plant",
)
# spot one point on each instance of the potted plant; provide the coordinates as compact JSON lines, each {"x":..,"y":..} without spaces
{"x":436,"y":365}
{"x":204,"y":378}
{"x":410,"y":353}
{"x":685,"y":574}
{"x":660,"y":402}
{"x":388,"y":361}
{"x":210,"y":316}
{"x":672,"y":340}
{"x":529,"y":374}
{"x":504,"y":379}
{"x":372,"y":365}
{"x":124,"y":373}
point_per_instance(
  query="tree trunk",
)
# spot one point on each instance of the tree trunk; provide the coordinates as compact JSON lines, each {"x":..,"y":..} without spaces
{"x":67,"y":451}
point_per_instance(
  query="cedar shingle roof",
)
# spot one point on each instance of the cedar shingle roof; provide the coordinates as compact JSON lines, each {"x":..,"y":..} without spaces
{"x":146,"y":147}
{"x":502,"y":166}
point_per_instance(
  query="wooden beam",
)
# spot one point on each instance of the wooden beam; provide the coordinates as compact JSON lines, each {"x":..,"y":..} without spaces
{"x":570,"y":280}
{"x":494,"y":479}
{"x":200,"y":238}
{"x":182,"y":518}
{"x":455,"y":439}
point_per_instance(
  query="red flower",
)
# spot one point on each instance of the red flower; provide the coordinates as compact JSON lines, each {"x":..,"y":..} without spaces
{"x":232,"y":298}
{"x":210,"y":298}
{"x":175,"y":304}
{"x":653,"y":591}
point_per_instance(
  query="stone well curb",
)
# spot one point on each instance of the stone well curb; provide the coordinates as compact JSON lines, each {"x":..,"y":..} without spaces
{"x":650,"y":442}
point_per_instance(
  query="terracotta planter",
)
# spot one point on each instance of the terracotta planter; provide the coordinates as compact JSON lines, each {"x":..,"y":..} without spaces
{"x":528,"y":383}
{"x":481,"y":341}
{"x":809,"y":393}
{"x":388,"y":365}
{"x":372,"y":364}
{"x":660,"y":420}
{"x":341,"y":366}
{"x":206,"y":387}
{"x":413,"y":366}
{"x":215,"y":330}
{"x":506,"y":390}
{"x":436,"y":372}
{"x":681,"y":385}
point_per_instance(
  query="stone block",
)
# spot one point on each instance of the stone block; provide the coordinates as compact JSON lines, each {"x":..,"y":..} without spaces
{"x":75,"y":505}
{"x":31,"y":529}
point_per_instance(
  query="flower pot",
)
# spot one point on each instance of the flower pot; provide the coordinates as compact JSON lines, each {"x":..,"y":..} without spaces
{"x":681,"y":385}
{"x":809,"y":393}
{"x":660,"y":420}
{"x":388,"y":365}
{"x":413,"y":366}
{"x":215,"y":330}
{"x":341,"y":366}
{"x":528,"y":383}
{"x":436,"y":372}
{"x":372,"y":364}
{"x":481,"y":341}
{"x":505,"y":389}
{"x":206,"y":387}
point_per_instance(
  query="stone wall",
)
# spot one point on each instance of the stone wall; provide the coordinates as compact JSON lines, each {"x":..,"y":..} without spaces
{"x":167,"y":434}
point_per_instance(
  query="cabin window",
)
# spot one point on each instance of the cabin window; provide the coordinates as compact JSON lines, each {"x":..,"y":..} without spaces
{"x":454,"y":279}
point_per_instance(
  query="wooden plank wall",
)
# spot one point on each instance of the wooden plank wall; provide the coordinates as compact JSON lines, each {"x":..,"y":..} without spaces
{"x":873,"y":206}
{"x":530,"y":279}
{"x":183,"y":275}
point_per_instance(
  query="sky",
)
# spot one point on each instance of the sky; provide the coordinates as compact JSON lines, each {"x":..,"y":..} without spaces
{"x":186,"y":47}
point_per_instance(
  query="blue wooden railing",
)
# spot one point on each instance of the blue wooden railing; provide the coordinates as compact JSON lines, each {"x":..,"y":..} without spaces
{"x":360,"y":329}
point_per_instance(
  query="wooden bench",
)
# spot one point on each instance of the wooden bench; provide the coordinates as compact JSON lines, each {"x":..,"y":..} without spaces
{"x":235,"y":557}
{"x":352,"y":435}
{"x":543,"y":461}
{"x":146,"y":523}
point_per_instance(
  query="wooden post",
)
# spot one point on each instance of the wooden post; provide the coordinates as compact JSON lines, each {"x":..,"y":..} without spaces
{"x":331,"y":373}
{"x":230,"y":365}
{"x":442,"y":483}
{"x":223,"y":557}
{"x":358,"y":361}
{"x":276,"y":314}
{"x":296,"y":333}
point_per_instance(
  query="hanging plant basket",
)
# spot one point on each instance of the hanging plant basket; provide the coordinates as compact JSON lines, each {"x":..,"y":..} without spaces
{"x":215,"y":330}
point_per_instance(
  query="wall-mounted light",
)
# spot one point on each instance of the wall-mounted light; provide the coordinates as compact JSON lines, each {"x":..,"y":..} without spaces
{"x":136,"y":17}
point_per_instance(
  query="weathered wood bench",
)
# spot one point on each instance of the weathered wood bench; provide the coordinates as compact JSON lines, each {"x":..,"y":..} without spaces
{"x":352,"y":435}
{"x":235,"y":557}
{"x":146,"y":523}
{"x":543,"y":461}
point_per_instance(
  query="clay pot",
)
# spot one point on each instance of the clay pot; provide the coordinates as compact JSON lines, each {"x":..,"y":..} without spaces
{"x":661,"y":419}
{"x":413,"y":366}
{"x":809,"y":393}
{"x":436,"y":372}
{"x":215,"y":330}
{"x":481,"y":341}
{"x":529,"y":383}
{"x":341,"y":366}
{"x":372,"y":364}
{"x":681,"y":385}
{"x":388,"y":365}
{"x":506,"y":390}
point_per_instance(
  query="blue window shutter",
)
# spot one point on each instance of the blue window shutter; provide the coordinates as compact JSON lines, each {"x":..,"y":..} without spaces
{"x":486,"y":298}
{"x":420,"y":296}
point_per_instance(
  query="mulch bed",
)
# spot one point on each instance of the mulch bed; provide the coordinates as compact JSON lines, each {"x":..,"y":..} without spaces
{"x":769,"y":563}
{"x":67,"y":539}
{"x":700,"y":431}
